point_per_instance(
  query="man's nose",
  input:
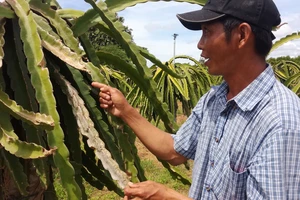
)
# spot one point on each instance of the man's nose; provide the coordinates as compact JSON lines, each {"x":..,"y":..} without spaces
{"x":200,"y":44}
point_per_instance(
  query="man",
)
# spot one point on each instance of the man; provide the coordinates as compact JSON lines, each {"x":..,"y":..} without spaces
{"x":244,"y":135}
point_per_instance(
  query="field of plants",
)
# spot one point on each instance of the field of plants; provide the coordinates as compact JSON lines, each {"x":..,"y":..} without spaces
{"x":55,"y":141}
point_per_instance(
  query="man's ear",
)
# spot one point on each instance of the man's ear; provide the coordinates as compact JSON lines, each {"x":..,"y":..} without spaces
{"x":245,"y":32}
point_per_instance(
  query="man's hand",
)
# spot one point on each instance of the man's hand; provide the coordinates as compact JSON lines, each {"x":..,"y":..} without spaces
{"x":112,"y":99}
{"x":150,"y":190}
{"x":145,"y":190}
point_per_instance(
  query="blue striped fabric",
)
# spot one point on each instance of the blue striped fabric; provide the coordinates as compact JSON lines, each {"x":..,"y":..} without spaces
{"x":247,"y":147}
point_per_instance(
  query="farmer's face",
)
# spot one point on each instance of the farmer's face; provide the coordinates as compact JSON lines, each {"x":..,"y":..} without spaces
{"x":217,"y":51}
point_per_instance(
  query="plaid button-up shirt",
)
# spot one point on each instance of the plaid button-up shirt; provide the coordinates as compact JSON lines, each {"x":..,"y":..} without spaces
{"x":247,"y":147}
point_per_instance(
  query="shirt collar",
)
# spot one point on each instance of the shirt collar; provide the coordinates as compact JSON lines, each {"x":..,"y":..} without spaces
{"x":249,"y":97}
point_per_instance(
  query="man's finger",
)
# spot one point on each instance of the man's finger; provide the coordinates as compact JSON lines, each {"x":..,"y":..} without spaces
{"x":97,"y":84}
{"x":103,"y":88}
{"x":134,"y":192}
{"x":105,"y":101}
{"x":131,"y":198}
{"x":105,"y":96}
{"x":133,"y":185}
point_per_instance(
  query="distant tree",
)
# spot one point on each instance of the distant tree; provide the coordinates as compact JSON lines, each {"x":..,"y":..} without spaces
{"x":100,"y":39}
{"x":104,"y":42}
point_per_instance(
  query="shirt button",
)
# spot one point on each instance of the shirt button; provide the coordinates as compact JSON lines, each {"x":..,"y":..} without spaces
{"x":212,"y":164}
{"x":217,"y":140}
{"x":207,"y":188}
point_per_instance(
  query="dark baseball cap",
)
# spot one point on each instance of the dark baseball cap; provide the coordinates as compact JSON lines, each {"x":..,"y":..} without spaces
{"x":260,"y":13}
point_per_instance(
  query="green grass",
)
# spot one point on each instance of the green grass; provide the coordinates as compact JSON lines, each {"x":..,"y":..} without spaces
{"x":156,"y":172}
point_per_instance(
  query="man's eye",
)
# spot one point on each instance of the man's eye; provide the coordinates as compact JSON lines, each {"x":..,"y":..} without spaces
{"x":205,"y":31}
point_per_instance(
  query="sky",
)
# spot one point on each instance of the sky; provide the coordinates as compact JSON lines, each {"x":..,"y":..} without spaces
{"x":154,"y":23}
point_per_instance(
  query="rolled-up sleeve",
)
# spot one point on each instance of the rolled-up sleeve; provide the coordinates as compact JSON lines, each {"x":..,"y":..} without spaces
{"x":186,"y":139}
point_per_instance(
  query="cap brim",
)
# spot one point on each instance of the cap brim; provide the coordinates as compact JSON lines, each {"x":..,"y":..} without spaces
{"x":272,"y":36}
{"x":193,"y":20}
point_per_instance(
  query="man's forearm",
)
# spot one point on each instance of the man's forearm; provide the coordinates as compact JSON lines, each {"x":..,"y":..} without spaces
{"x":160,"y":143}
